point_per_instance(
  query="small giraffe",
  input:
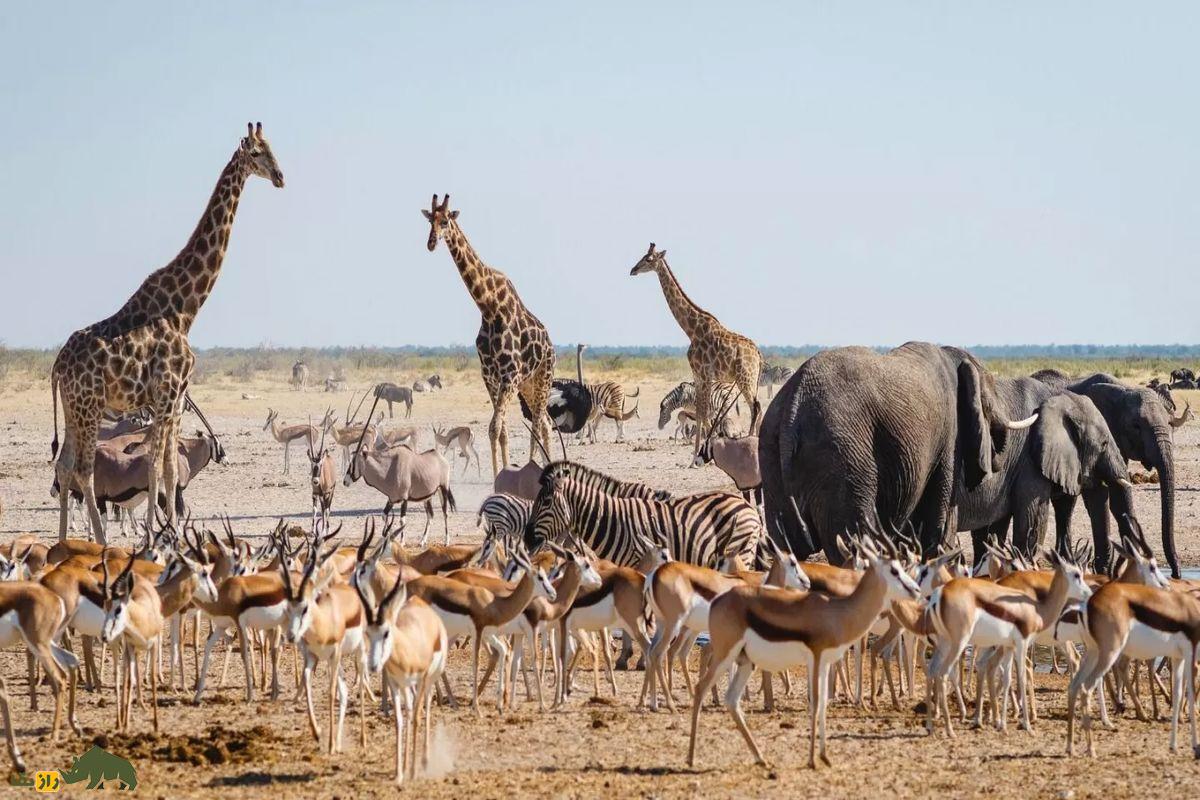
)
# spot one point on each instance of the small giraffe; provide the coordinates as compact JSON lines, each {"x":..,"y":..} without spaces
{"x":515,"y":353}
{"x":716,"y":354}
{"x":140,"y":357}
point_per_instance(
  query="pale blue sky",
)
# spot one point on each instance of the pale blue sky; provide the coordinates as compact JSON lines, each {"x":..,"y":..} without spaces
{"x":819,"y":173}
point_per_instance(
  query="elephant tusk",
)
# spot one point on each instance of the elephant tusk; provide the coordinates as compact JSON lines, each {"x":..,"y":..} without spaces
{"x":1021,"y":425}
{"x":1125,"y":483}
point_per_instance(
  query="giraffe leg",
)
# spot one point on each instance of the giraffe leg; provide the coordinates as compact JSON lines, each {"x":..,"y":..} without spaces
{"x":156,"y":437}
{"x":536,"y":392}
{"x":703,"y":413}
{"x":64,"y":471}
{"x":85,"y":463}
{"x":498,"y":430}
{"x":171,"y":465}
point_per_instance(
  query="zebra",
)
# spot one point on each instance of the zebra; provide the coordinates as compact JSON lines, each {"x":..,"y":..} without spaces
{"x":774,"y":374}
{"x":503,"y":516}
{"x":683,"y":399}
{"x":700,"y":529}
{"x":608,"y":400}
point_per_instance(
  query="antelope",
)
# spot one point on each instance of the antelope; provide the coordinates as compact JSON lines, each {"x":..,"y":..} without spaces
{"x":578,"y":573}
{"x":132,"y":615}
{"x":250,"y":603}
{"x":618,"y":601}
{"x":401,"y":475}
{"x":774,"y":629}
{"x":34,"y":615}
{"x":31,"y":553}
{"x":680,"y":596}
{"x":405,"y":434}
{"x":184,"y":579}
{"x":478,"y":612}
{"x":737,"y":458}
{"x":523,"y":482}
{"x":985,"y":614}
{"x":462,"y":438}
{"x":435,"y":558}
{"x":1138,"y":622}
{"x":327,"y":621}
{"x":324,"y":481}
{"x":285,"y":435}
{"x":120,"y":476}
{"x":352,"y":431}
{"x":408,"y":643}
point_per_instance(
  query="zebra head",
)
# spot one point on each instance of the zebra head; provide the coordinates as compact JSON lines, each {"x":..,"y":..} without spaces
{"x":550,"y":516}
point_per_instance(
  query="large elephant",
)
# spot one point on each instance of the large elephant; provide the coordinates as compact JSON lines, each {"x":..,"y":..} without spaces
{"x":1141,"y":424}
{"x":1068,"y":450}
{"x":857,"y":438}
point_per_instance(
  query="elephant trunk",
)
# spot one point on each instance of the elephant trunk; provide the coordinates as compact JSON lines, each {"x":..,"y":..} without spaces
{"x":1162,"y":454}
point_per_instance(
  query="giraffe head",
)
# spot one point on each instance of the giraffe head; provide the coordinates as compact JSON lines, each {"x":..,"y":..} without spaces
{"x":258,"y":156}
{"x":439,"y":217}
{"x":649,"y":262}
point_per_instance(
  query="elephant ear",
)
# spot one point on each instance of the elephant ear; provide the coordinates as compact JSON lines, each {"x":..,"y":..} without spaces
{"x":1055,"y":449}
{"x":974,"y":430}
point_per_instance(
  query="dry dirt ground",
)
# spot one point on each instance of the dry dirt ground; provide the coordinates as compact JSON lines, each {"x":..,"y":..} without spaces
{"x":593,"y":748}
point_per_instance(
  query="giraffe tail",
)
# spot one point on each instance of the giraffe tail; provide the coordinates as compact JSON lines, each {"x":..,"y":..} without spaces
{"x":54,"y":398}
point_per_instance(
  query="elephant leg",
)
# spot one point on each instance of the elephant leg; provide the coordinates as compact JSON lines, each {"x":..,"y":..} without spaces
{"x":1096,"y":503}
{"x":1064,"y":508}
{"x":1029,"y":524}
{"x":932,"y":516}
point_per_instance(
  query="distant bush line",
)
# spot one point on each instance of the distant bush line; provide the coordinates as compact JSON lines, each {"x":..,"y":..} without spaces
{"x":409,"y":362}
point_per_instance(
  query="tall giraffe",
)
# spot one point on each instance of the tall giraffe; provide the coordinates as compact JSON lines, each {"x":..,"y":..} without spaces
{"x":716,"y":354}
{"x":140,"y":357}
{"x":515,"y":353}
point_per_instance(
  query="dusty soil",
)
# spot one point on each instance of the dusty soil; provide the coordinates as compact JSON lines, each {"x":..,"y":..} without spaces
{"x":595,"y":747}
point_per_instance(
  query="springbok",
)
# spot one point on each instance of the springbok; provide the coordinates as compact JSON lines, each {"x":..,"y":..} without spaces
{"x":408,"y":643}
{"x":461,"y":438}
{"x":285,"y":435}
{"x":773,"y":629}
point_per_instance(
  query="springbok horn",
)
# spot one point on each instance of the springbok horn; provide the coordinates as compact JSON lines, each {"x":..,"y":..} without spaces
{"x":1021,"y":425}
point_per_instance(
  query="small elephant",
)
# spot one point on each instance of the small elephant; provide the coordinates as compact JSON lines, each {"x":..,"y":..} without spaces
{"x":1068,"y":451}
{"x":1142,"y":424}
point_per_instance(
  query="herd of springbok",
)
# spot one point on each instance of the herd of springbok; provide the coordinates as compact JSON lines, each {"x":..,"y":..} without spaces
{"x":545,"y":586}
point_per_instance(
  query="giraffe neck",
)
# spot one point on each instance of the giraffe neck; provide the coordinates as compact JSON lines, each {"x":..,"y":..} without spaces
{"x":179,"y":289}
{"x":687,"y":314}
{"x":471,"y":268}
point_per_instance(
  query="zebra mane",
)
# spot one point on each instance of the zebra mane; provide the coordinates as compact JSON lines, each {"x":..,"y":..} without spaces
{"x":605,"y":483}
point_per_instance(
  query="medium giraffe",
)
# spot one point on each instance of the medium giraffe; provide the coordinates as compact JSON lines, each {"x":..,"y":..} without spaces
{"x":140,"y":357}
{"x":716,"y":354}
{"x":515,"y":352}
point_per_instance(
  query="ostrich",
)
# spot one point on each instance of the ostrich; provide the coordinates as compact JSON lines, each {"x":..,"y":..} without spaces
{"x":570,"y":402}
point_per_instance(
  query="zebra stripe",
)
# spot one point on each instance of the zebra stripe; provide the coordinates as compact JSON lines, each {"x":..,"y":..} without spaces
{"x":503,"y":515}
{"x":699,"y":529}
